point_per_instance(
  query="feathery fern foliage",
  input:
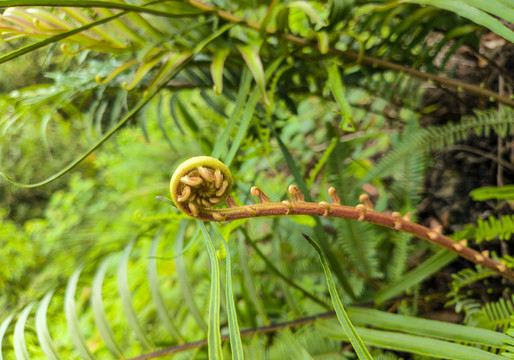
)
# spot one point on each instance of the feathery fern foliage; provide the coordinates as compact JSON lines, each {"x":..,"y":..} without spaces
{"x":230,"y":79}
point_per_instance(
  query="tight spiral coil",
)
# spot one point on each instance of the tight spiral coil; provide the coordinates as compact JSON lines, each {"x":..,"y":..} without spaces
{"x":201,"y":182}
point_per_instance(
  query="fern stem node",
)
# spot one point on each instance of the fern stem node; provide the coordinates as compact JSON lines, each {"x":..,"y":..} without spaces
{"x":479,"y":258}
{"x":433,"y":235}
{"x":457,"y":247}
{"x":397,"y":220}
{"x":326,"y":207}
{"x":501,"y":267}
{"x":251,"y":211}
{"x":288,"y":206}
{"x":362,"y":211}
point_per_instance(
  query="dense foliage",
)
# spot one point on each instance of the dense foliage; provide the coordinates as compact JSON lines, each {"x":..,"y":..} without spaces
{"x":102,"y":101}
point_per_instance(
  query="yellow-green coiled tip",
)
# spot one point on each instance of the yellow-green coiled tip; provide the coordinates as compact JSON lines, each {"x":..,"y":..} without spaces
{"x":201,"y":182}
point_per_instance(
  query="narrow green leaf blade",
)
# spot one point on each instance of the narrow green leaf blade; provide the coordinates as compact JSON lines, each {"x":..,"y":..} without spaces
{"x":308,"y":10}
{"x":29,"y":48}
{"x":323,"y":42}
{"x":141,"y":71}
{"x":70,"y":312}
{"x":474,"y":14}
{"x":172,"y":65}
{"x":160,"y":123}
{"x":181,"y":11}
{"x":253,"y":61}
{"x":248,"y":114}
{"x":43,"y":334}
{"x":335,"y":84}
{"x":235,"y":336}
{"x":214,"y":333}
{"x":3,"y":330}
{"x":217,"y":65}
{"x":344,"y":320}
{"x":183,"y":279}
{"x":425,"y":327}
{"x":153,"y":281}
{"x":502,"y":9}
{"x":126,"y":299}
{"x":421,"y":345}
{"x":243,"y":127}
{"x":20,"y":347}
{"x":99,"y":312}
{"x":201,"y":45}
{"x":505,"y":192}
{"x":244,"y":90}
{"x":251,"y":288}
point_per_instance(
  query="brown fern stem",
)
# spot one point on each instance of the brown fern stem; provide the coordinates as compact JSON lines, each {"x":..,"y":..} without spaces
{"x":354,"y":56}
{"x":354,"y":213}
{"x":201,"y":183}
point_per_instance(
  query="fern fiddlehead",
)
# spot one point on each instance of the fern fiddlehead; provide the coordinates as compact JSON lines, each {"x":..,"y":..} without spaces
{"x":201,"y":183}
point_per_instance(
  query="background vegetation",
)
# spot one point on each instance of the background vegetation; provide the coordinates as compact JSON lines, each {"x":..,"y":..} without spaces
{"x":408,"y":101}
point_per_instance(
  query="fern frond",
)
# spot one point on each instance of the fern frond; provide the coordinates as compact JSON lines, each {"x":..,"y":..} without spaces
{"x":509,"y":260}
{"x":489,"y":229}
{"x":495,"y":315}
{"x":408,"y":183}
{"x":359,"y":243}
{"x":438,"y":137}
{"x":467,"y":277}
{"x":395,"y":89}
{"x":507,"y":350}
{"x":399,"y":256}
{"x":400,"y":33}
{"x":463,"y":302}
{"x":493,"y":192}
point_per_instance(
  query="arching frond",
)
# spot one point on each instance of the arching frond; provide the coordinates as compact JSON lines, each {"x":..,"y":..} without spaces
{"x":484,"y":123}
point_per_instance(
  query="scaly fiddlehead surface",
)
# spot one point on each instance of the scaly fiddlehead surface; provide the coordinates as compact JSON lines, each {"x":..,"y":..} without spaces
{"x":201,"y":183}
